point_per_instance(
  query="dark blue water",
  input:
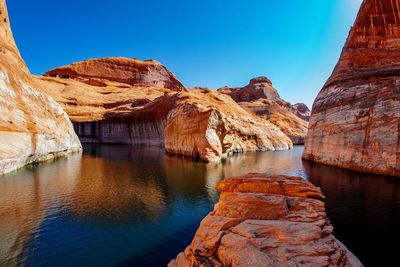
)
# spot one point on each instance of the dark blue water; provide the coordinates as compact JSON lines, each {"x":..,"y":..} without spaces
{"x":123,"y":206}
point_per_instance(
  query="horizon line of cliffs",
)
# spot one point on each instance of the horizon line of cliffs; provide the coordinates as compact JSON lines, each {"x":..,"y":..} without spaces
{"x":129,"y":101}
{"x":355,"y":121}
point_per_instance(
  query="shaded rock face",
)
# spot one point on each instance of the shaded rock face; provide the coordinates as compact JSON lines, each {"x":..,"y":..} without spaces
{"x":33,"y":127}
{"x":123,"y":70}
{"x":198,"y":123}
{"x":266,"y":221}
{"x":301,"y":110}
{"x":355,"y":121}
{"x":262,"y":99}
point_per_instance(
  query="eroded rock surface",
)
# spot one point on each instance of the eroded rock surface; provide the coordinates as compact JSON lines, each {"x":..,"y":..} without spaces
{"x":123,"y":70}
{"x":355,"y":121}
{"x":266,"y":221}
{"x":262,"y":99}
{"x":33,"y":127}
{"x":198,"y":123}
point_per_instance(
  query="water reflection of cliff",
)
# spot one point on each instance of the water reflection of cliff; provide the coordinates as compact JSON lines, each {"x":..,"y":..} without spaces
{"x":26,"y":197}
{"x":151,"y":198}
{"x":116,"y":189}
{"x":364,"y":208}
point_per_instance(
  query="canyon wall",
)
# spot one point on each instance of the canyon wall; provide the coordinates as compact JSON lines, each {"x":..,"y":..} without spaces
{"x":355,"y":121}
{"x":33,"y":127}
{"x":262,"y":99}
{"x":196,"y":123}
{"x":266,"y":221}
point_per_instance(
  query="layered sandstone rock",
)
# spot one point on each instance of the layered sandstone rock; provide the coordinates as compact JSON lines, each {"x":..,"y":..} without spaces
{"x":208,"y":124}
{"x":123,"y":70}
{"x":355,"y":118}
{"x":198,"y":123}
{"x":262,"y":99}
{"x":33,"y":127}
{"x":266,"y":221}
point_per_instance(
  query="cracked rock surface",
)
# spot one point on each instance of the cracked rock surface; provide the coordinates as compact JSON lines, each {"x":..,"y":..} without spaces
{"x":265,"y":220}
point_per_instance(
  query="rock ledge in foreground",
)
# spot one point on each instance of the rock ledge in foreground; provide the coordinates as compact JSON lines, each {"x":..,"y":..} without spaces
{"x":265,"y":220}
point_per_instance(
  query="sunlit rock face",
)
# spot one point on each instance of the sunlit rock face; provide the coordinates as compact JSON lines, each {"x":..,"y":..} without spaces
{"x":207,"y":125}
{"x":123,"y":70}
{"x":33,"y":127}
{"x":197,"y":123}
{"x":262,"y":99}
{"x":355,"y":118}
{"x":266,"y":221}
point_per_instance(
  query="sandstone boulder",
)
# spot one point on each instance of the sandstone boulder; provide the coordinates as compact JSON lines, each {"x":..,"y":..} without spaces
{"x":355,"y":118}
{"x":33,"y":127}
{"x":266,"y":221}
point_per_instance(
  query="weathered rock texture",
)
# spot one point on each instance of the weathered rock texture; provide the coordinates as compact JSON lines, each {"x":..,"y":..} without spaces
{"x":355,"y":121}
{"x":266,"y":221}
{"x":262,"y":99}
{"x":123,"y":70}
{"x":33,"y":127}
{"x":198,"y":123}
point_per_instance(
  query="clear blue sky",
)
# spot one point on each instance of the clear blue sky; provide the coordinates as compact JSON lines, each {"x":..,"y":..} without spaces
{"x":208,"y":43}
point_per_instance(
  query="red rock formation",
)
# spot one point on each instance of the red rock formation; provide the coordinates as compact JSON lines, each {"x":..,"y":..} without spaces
{"x":123,"y":70}
{"x":301,"y":110}
{"x":199,"y":123}
{"x":355,"y":118}
{"x":260,"y":87}
{"x":33,"y":127}
{"x":262,"y":99}
{"x":266,"y":221}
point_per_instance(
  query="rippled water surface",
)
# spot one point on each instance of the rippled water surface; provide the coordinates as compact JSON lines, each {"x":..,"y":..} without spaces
{"x":123,"y":206}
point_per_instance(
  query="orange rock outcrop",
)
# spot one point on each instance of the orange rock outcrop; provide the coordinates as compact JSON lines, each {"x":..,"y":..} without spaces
{"x":265,"y":220}
{"x":123,"y":70}
{"x":262,"y":99}
{"x":197,"y":123}
{"x":355,"y":118}
{"x":33,"y":127}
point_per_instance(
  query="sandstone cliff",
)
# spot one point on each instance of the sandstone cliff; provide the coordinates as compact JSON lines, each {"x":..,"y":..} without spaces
{"x":266,"y":221}
{"x":262,"y":99}
{"x":355,"y":118}
{"x":123,"y":70}
{"x":33,"y":127}
{"x":198,"y":123}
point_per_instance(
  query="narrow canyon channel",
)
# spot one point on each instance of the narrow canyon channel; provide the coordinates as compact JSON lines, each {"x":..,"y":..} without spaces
{"x":129,"y":206}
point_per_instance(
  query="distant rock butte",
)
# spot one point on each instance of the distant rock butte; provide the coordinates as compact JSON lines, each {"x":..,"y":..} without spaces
{"x":262,"y":99}
{"x":33,"y":127}
{"x":198,"y":123}
{"x":355,"y":121}
{"x":265,"y":220}
{"x":123,"y":70}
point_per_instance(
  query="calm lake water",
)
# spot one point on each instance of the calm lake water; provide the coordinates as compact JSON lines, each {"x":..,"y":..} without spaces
{"x":123,"y":206}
